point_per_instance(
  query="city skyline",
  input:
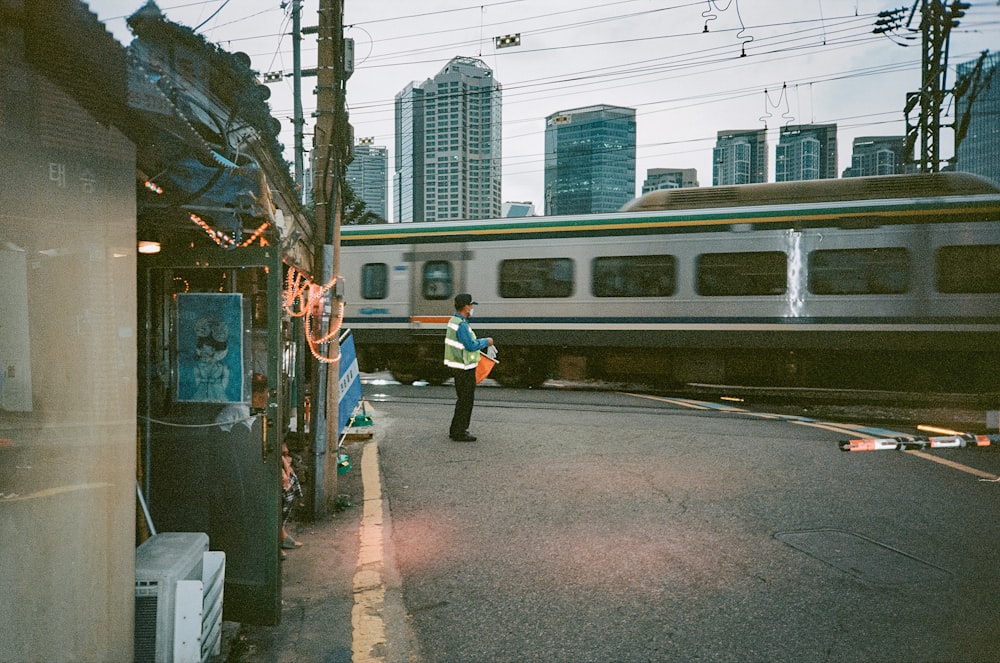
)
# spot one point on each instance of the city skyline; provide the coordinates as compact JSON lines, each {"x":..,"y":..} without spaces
{"x":805,"y":63}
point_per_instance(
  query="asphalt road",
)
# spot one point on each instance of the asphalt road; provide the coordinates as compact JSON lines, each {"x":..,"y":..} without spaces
{"x":608,"y":527}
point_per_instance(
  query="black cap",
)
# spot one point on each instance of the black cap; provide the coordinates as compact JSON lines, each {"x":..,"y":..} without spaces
{"x":462,"y":300}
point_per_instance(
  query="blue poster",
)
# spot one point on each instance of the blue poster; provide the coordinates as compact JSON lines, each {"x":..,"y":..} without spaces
{"x":210,"y":348}
{"x":350,"y":382}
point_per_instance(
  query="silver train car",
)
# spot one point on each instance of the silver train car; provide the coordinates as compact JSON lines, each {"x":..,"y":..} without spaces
{"x":870,"y":283}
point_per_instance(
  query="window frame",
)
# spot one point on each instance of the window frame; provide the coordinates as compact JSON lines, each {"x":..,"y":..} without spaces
{"x":367,"y":278}
{"x":721,"y":280}
{"x":637,"y":273}
{"x":540,"y":281}
{"x":448,"y":281}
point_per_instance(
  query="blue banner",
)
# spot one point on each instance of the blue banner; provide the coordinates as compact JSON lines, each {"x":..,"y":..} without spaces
{"x":350,"y":382}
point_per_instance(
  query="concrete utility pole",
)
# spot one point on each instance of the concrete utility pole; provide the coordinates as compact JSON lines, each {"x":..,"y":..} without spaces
{"x":330,"y":137}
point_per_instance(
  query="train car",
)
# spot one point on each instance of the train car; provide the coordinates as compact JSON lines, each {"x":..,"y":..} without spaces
{"x":871,"y":283}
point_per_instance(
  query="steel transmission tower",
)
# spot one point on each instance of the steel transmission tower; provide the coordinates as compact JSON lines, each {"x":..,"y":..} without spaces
{"x":936,"y":22}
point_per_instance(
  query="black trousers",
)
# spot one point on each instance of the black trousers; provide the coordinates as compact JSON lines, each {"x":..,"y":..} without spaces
{"x":465,"y":390}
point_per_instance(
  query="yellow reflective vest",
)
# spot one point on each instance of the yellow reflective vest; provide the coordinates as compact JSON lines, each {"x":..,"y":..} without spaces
{"x":455,"y":354}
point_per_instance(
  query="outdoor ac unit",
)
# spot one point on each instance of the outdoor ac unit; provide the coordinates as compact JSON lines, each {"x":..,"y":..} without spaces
{"x":178,"y":598}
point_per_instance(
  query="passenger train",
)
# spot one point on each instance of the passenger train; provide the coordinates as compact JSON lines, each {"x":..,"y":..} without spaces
{"x":888,"y":283}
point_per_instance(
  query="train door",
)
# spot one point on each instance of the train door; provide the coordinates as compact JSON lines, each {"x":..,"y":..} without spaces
{"x":439,"y":273}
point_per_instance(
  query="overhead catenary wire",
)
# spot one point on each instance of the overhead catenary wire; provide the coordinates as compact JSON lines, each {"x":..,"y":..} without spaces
{"x":775,"y":44}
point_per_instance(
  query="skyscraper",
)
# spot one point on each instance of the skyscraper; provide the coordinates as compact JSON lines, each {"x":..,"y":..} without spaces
{"x":806,"y":152}
{"x":669,"y":178}
{"x":589,"y":160}
{"x":513,"y":209}
{"x":368,"y":175}
{"x":448,"y":145}
{"x":740,"y":157}
{"x":977,"y":152}
{"x":877,"y":155}
{"x":408,"y":176}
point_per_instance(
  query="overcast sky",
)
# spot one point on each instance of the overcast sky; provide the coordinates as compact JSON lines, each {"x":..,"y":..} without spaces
{"x":689,"y":68}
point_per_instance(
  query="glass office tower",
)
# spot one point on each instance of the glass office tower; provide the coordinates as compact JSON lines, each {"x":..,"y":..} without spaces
{"x":589,"y":160}
{"x":977,"y":152}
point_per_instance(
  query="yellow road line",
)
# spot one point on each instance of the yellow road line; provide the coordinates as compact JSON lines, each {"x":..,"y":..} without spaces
{"x":825,"y":426}
{"x":368,"y":615}
{"x":986,"y":476}
{"x":952,"y":464}
{"x":693,"y":406}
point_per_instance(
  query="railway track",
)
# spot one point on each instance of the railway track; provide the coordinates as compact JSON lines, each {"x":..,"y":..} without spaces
{"x":968,"y":413}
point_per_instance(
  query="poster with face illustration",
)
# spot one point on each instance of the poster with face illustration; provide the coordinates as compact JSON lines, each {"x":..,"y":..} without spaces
{"x":210,"y":348}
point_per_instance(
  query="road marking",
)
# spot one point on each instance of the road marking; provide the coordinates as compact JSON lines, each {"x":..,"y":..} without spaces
{"x":824,"y":426}
{"x":952,"y":464}
{"x":368,"y":641}
{"x":801,"y":421}
{"x":702,"y":405}
{"x":673,"y":401}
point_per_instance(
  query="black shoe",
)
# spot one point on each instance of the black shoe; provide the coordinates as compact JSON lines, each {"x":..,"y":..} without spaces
{"x":463,"y":437}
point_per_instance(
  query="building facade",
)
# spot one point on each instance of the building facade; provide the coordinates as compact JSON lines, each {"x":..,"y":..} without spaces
{"x":408,"y":174}
{"x":368,"y":175}
{"x":658,"y":179}
{"x":877,"y":155}
{"x":512,"y":209}
{"x":589,"y":160}
{"x":978,"y":148}
{"x":740,"y":157}
{"x":448,"y":145}
{"x":68,"y":382}
{"x":806,"y":152}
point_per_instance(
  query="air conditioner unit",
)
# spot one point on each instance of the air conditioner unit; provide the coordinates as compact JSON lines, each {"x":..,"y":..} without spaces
{"x":178,"y":598}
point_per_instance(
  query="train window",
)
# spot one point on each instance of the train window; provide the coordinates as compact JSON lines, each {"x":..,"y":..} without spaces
{"x":969,"y":269}
{"x":742,"y":274}
{"x":634,"y":276}
{"x":536,"y":277}
{"x":437,"y":281}
{"x":374,"y":280}
{"x":874,"y":271}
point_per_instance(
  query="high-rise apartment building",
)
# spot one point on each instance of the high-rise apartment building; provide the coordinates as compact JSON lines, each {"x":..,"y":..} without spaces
{"x":806,"y":152}
{"x":448,"y":145}
{"x":658,"y":179}
{"x":977,"y":152}
{"x":408,"y":175}
{"x":740,"y":157}
{"x":589,"y":160}
{"x":368,"y":175}
{"x":877,"y":155}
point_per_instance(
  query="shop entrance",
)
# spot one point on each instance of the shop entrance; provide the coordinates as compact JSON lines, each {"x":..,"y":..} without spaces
{"x":212,"y":412}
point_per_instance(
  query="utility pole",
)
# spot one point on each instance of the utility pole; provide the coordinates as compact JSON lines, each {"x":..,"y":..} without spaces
{"x":298,"y":121}
{"x":936,"y":22}
{"x":328,"y":168}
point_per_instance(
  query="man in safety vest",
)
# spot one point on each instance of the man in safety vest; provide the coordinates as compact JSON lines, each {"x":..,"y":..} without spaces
{"x":461,"y":355}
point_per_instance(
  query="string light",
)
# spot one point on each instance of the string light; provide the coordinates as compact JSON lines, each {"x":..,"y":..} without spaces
{"x":296,"y":290}
{"x":304,"y":299}
{"x":154,"y":187}
{"x":223,"y":239}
